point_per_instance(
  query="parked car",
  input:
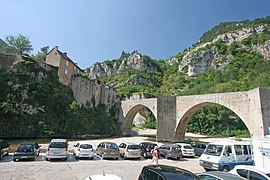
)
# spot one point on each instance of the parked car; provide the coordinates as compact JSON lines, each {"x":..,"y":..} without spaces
{"x":103,"y":177}
{"x":170,"y":151}
{"x":165,"y":172}
{"x":251,"y":172}
{"x":4,"y":148}
{"x":146,"y":149}
{"x":218,"y":175}
{"x":83,"y":150}
{"x":57,"y":149}
{"x":187,"y":149}
{"x":199,"y":147}
{"x":130,"y":150}
{"x":108,"y":150}
{"x":27,"y":150}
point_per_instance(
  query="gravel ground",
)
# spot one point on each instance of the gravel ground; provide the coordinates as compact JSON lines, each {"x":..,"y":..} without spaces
{"x":80,"y":169}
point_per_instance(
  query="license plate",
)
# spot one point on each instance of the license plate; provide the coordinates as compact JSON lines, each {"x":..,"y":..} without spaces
{"x":24,"y":157}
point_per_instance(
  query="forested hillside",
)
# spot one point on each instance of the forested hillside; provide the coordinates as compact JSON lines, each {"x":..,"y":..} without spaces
{"x":34,"y":104}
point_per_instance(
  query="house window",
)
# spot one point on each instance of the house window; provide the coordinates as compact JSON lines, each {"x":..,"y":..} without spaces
{"x":108,"y":98}
{"x":66,"y":63}
{"x":66,"y":71}
{"x":74,"y":68}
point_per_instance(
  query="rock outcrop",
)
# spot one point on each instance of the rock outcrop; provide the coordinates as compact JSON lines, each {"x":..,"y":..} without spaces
{"x":200,"y":59}
{"x":133,"y":61}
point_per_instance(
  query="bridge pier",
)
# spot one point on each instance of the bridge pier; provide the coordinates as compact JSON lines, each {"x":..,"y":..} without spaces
{"x":166,"y":118}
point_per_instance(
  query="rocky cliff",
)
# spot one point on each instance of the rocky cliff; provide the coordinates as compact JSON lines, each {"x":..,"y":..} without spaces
{"x":206,"y":56}
{"x":126,"y":62}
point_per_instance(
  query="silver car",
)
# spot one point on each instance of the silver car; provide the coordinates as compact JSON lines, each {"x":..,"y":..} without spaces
{"x":108,"y":150}
{"x":170,"y":151}
{"x":57,"y":149}
{"x":130,"y":150}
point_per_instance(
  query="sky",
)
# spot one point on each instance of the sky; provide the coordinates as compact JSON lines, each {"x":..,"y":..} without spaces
{"x":93,"y":31}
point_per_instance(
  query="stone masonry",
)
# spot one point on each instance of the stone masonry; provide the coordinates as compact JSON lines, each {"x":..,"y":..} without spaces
{"x":174,"y":113}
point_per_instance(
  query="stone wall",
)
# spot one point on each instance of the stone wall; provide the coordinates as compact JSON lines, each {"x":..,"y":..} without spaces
{"x":8,"y":60}
{"x":84,"y":90}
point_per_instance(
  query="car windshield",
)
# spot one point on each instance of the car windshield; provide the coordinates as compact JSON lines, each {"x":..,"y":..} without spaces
{"x":188,"y":147}
{"x":26,"y":148}
{"x":151,"y":146}
{"x":86,"y":146}
{"x":214,"y":150}
{"x":177,"y":148}
{"x":133,"y":147}
{"x":58,"y":145}
{"x":111,"y":146}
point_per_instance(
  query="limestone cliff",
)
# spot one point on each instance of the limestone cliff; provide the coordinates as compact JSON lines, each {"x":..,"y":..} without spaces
{"x":126,"y":62}
{"x":205,"y":56}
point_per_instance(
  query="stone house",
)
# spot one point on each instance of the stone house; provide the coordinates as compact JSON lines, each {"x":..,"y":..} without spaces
{"x":66,"y":67}
{"x":85,"y":89}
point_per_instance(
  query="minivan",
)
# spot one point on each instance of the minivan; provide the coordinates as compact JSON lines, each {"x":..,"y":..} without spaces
{"x":108,"y":150}
{"x":4,"y":148}
{"x":146,"y":149}
{"x":224,"y":155}
{"x":130,"y":150}
{"x":170,"y":151}
{"x":199,"y":147}
{"x":57,"y":149}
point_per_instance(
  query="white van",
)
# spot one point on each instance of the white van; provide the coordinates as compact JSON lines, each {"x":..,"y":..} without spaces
{"x":261,"y":151}
{"x":225,"y":154}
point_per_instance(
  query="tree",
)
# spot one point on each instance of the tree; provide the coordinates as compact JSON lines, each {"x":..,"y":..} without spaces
{"x":20,"y":43}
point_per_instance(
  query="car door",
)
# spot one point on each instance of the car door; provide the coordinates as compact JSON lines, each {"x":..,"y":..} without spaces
{"x":5,"y":147}
{"x":142,"y":147}
{"x":75,"y":148}
{"x":121,"y":149}
{"x":98,"y":150}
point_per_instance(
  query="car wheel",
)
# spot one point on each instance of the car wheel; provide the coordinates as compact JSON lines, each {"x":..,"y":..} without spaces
{"x":14,"y":160}
{"x":178,"y":158}
{"x":206,"y":169}
{"x":124,"y":156}
{"x":76,"y":157}
{"x":92,"y":157}
{"x":65,"y":158}
{"x":226,"y":169}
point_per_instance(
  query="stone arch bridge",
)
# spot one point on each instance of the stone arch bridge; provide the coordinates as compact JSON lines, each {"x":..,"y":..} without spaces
{"x":174,"y":112}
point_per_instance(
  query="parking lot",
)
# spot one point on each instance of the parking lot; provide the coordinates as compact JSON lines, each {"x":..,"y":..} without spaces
{"x":80,"y":169}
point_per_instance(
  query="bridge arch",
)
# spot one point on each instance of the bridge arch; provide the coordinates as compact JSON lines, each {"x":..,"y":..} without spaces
{"x":183,"y":122}
{"x":132,"y":107}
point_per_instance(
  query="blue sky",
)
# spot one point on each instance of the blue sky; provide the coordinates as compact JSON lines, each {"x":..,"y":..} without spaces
{"x":97,"y":30}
